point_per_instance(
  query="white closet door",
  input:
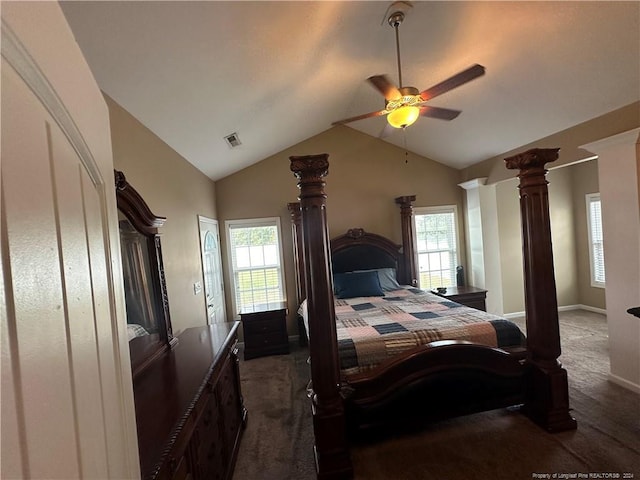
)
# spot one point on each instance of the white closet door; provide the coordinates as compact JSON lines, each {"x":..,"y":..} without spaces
{"x":67,"y":400}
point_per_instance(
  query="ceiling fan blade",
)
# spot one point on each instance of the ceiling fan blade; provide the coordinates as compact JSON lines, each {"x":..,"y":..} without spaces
{"x":385,"y":87}
{"x":360,"y":117}
{"x":452,"y":82}
{"x":440,"y":113}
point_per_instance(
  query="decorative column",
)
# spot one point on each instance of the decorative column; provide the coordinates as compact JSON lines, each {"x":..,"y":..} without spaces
{"x":406,"y":216}
{"x":331,"y":450}
{"x":484,"y":268}
{"x":546,"y":388}
{"x":619,"y":184}
{"x":296,"y":218}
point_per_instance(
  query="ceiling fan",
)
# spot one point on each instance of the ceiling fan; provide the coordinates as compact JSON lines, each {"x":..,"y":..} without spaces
{"x":403,"y":105}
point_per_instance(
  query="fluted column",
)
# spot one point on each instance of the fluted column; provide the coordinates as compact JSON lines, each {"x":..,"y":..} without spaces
{"x":547,"y":397}
{"x":296,"y":226}
{"x":332,"y":455}
{"x":408,"y":251}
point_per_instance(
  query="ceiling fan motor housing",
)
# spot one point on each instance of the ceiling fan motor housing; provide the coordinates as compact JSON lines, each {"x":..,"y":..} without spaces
{"x":408,"y":96}
{"x":396,"y":18}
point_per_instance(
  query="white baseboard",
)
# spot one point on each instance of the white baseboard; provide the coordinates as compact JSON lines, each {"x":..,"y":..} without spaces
{"x":564,"y":308}
{"x":634,"y":387}
{"x":593,"y":309}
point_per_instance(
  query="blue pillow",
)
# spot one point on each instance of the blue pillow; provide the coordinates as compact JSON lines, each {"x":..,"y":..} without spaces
{"x":387,"y":277}
{"x":357,"y":284}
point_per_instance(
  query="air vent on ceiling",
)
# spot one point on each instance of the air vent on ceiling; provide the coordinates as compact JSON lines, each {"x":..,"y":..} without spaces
{"x":233,"y":140}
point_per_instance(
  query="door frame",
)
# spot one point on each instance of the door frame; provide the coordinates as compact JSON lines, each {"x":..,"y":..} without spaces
{"x":212,"y":221}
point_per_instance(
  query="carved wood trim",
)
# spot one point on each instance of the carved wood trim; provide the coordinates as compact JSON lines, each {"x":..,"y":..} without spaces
{"x":547,"y":396}
{"x":298,"y":249}
{"x":144,"y":351}
{"x":332,"y":454}
{"x":358,"y":236}
{"x":135,"y":208}
{"x":435,"y":358}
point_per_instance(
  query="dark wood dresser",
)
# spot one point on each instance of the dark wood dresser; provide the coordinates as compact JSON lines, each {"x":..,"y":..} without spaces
{"x":189,"y":409}
{"x":265,"y":330}
{"x":467,"y":295}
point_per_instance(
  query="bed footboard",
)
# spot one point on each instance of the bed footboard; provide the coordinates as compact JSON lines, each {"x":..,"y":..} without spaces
{"x":432,"y":382}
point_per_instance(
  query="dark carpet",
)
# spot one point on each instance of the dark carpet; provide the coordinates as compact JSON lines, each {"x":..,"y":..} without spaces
{"x":501,"y":444}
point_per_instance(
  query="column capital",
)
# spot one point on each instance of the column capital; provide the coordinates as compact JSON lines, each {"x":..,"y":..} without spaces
{"x":405,"y":200}
{"x":532,"y":159}
{"x":309,"y":167}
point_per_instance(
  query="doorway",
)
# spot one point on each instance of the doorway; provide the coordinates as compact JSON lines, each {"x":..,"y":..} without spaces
{"x":212,"y":270}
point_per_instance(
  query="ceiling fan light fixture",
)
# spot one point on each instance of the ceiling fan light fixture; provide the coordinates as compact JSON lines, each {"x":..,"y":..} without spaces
{"x":403,"y":116}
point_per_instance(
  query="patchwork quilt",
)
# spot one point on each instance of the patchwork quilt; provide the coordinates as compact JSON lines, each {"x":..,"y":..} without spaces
{"x":373,"y":329}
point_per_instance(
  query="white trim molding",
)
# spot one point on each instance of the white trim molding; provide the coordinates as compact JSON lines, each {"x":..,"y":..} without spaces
{"x":16,"y":54}
{"x":623,"y":383}
{"x":564,"y":308}
{"x":475,"y":183}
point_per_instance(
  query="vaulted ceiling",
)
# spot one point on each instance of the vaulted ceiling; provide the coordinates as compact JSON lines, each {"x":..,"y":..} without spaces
{"x":277,"y":73}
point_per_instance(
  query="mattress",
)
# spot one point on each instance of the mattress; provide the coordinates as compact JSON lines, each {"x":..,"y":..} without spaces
{"x":371,"y":330}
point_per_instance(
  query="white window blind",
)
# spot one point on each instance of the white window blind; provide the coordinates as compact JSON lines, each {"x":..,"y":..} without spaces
{"x":256,"y":261}
{"x":436,"y":246}
{"x":596,"y":248}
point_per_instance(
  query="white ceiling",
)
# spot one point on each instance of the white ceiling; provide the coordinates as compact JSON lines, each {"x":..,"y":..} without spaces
{"x":280,"y":72}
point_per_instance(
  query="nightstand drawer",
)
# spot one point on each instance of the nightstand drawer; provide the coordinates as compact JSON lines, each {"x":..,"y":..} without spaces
{"x":262,"y":326}
{"x":264,"y":316}
{"x":264,"y":340}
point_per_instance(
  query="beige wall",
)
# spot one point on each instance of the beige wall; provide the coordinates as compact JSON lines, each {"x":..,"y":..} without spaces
{"x":175,"y":189}
{"x":510,"y":233}
{"x":568,"y":140}
{"x":365,"y":175}
{"x":563,"y":237}
{"x":585,"y":180}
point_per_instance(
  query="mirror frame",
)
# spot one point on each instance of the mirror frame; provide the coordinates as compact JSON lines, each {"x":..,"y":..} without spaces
{"x":145,"y":349}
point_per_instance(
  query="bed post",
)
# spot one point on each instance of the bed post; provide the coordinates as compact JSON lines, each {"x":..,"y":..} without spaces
{"x":294,"y":210}
{"x":546,"y":387}
{"x":406,"y":217}
{"x":329,"y":424}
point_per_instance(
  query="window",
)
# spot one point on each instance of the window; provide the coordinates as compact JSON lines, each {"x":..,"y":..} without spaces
{"x":436,"y":246}
{"x":255,"y":256}
{"x":596,"y":249}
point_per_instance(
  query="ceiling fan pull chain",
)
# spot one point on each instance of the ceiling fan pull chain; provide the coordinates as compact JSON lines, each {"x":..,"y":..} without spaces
{"x":406,"y":152}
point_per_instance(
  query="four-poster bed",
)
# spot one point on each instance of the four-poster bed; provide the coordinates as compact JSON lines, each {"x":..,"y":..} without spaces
{"x":438,"y":379}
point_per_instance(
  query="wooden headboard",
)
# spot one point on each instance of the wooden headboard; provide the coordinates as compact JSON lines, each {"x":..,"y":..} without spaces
{"x":360,"y":250}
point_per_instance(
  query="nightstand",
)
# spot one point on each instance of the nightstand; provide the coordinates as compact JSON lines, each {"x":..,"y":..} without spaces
{"x":469,"y":296}
{"x":265,"y":330}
